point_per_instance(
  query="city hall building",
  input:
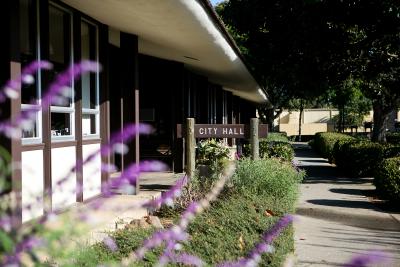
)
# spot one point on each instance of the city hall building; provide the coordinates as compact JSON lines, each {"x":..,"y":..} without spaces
{"x":162,"y":62}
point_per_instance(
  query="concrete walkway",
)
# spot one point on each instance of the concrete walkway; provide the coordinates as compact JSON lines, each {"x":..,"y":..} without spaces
{"x":336,"y":219}
{"x":115,"y":212}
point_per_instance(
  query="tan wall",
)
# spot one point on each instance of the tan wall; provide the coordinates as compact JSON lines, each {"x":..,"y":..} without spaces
{"x":313,"y":121}
{"x":306,"y":129}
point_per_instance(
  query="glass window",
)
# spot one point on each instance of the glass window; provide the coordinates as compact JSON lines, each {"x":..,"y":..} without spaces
{"x":29,"y":47}
{"x":61,"y":124}
{"x":89,"y":81}
{"x":60,"y":54}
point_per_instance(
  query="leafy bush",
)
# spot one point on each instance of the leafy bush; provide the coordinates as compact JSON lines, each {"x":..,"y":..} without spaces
{"x":391,"y":151}
{"x":276,"y":145}
{"x":212,"y":153}
{"x":258,"y":194}
{"x":359,"y":158}
{"x":325,"y":142}
{"x":277,"y":137}
{"x":393,"y":138}
{"x":337,"y":155}
{"x":281,"y":150}
{"x":387,"y":179}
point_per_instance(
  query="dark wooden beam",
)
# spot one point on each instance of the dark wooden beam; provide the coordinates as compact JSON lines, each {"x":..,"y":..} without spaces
{"x":46,"y":119}
{"x":78,"y":107}
{"x":104,"y":96}
{"x":10,"y":67}
{"x":130,"y":92}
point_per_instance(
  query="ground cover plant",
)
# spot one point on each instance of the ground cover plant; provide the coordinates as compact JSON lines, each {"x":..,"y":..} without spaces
{"x":255,"y":198}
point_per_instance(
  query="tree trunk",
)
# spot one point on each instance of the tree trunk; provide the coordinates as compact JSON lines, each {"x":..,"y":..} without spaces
{"x":380,"y":120}
{"x":269,"y":116}
{"x":300,"y":117}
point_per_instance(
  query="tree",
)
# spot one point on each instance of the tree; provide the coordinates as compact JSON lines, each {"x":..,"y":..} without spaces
{"x":352,"y":103}
{"x":299,"y":48}
{"x":288,"y":45}
{"x":373,"y":30}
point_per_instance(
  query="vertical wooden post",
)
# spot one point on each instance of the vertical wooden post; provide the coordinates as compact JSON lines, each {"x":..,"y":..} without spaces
{"x":254,"y":142}
{"x":190,"y":148}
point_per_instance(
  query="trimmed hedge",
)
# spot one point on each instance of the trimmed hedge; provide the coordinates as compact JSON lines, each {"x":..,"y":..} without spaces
{"x":358,"y":158}
{"x":387,"y":179}
{"x":325,"y":142}
{"x":393,"y":138}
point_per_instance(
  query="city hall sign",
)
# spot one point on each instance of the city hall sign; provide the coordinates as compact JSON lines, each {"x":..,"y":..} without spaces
{"x":223,"y":130}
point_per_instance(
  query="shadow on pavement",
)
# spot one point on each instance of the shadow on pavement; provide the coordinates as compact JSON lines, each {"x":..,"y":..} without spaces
{"x":343,"y":203}
{"x":349,"y":191}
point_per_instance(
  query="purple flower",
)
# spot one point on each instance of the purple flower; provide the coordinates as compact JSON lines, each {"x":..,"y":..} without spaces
{"x":110,"y":243}
{"x":12,"y":87}
{"x":55,"y":94}
{"x":367,"y":259}
{"x":188,"y":259}
{"x":168,"y":197}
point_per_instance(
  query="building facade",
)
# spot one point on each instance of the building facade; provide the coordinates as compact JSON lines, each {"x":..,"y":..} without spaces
{"x":162,"y":62}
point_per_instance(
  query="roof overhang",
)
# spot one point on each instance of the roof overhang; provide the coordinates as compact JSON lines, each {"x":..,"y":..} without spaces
{"x":183,"y":31}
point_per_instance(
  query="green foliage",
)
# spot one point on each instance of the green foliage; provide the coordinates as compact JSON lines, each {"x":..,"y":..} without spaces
{"x":301,"y":48}
{"x":387,"y":179}
{"x":391,"y":151}
{"x":393,"y":138}
{"x":277,"y":137}
{"x":338,"y":156}
{"x":211,"y":151}
{"x":359,"y":158}
{"x":352,"y":103}
{"x":5,"y":165}
{"x":127,"y":241}
{"x":281,"y":150}
{"x":258,"y":194}
{"x":276,"y":145}
{"x":234,"y":224}
{"x":325,"y":142}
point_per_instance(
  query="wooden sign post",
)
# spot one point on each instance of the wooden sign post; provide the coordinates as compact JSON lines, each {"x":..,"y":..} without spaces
{"x":190,"y":148}
{"x":191,"y":131}
{"x":254,"y":141}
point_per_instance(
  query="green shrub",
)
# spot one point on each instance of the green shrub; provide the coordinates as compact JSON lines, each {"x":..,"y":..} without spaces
{"x":212,"y":153}
{"x":393,"y":138}
{"x":277,"y":137}
{"x":256,"y":187}
{"x":387,"y":179}
{"x":325,"y":142}
{"x":276,"y":145}
{"x":258,"y":194}
{"x":281,"y":150}
{"x":391,"y":151}
{"x":359,"y":158}
{"x":338,"y":152}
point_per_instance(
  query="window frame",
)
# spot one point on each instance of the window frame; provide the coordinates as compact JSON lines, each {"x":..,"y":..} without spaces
{"x":71,"y":109}
{"x":96,"y":110}
{"x":39,"y":135}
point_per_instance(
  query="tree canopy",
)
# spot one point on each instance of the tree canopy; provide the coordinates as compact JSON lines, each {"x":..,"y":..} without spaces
{"x":301,"y":48}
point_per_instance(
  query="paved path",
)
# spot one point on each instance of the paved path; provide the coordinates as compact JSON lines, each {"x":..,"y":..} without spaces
{"x":336,"y":220}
